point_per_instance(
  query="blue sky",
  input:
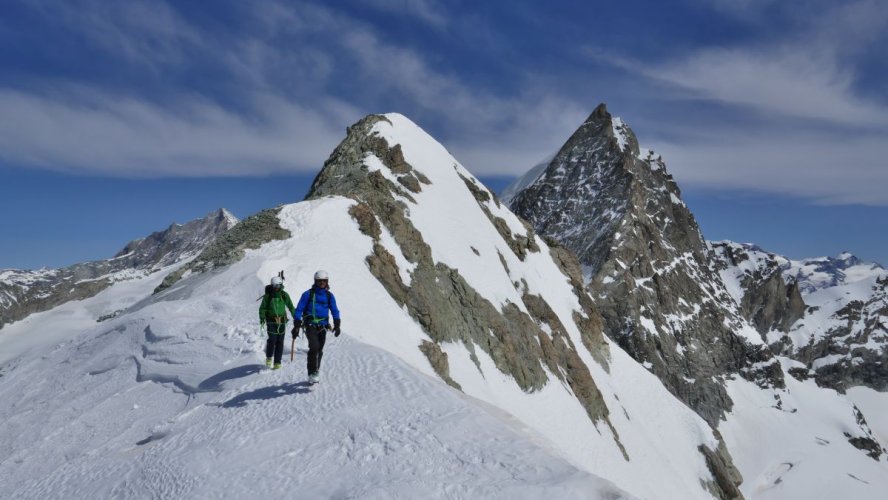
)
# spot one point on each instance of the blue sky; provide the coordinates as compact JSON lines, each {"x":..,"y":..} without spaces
{"x":122,"y":117}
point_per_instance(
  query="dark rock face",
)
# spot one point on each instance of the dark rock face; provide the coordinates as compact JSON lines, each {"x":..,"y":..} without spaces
{"x":768,"y":302}
{"x":646,"y":264}
{"x":583,"y":194}
{"x":438,"y":297}
{"x":859,"y":345}
{"x":26,"y":292}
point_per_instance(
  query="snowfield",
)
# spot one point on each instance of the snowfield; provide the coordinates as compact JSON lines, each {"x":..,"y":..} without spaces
{"x":168,"y":400}
{"x":171,"y":401}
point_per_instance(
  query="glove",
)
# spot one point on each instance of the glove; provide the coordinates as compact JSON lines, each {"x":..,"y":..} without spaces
{"x":295,"y":330}
{"x":297,"y":324}
{"x":336,"y":328}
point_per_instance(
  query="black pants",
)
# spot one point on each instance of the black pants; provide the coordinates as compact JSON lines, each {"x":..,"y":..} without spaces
{"x":317,"y":336}
{"x":274,"y":347}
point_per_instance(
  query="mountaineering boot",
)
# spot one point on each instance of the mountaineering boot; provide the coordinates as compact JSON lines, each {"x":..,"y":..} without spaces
{"x":313,"y":378}
{"x":268,"y":362}
{"x":276,"y":366}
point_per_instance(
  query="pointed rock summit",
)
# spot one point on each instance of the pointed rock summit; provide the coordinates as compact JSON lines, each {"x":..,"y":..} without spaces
{"x":647,"y":264}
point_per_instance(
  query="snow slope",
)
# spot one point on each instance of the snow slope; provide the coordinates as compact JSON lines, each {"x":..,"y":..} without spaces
{"x":792,"y":443}
{"x":41,"y":330}
{"x":177,"y":374}
{"x":168,"y":401}
{"x":670,"y":461}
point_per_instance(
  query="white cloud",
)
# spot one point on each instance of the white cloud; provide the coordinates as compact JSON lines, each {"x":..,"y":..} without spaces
{"x":788,"y":81}
{"x":283,"y":118}
{"x":120,"y":136}
{"x":806,"y":130}
{"x":427,"y":11}
{"x":141,"y":32}
{"x":822,"y":168}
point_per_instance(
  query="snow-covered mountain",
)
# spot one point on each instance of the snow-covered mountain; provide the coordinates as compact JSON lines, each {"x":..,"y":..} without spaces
{"x":657,"y":286}
{"x":24,"y":292}
{"x":841,"y":331}
{"x":439,"y":284}
{"x":474,"y":364}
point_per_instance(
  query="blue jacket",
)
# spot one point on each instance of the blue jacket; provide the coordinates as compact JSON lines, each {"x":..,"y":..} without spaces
{"x":318,"y":312}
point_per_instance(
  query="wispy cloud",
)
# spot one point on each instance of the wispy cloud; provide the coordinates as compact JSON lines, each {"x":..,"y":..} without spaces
{"x":427,"y":11}
{"x":810,"y":129}
{"x":105,"y":134}
{"x":793,"y":82}
{"x":281,"y":115}
{"x":811,"y":166}
{"x":139,"y":31}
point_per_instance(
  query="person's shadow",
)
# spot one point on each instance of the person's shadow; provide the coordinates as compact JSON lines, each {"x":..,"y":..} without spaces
{"x":272,"y":392}
{"x":214,"y":383}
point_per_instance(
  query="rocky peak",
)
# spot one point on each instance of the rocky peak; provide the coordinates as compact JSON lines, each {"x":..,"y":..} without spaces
{"x":472,"y":276}
{"x":176,"y":242}
{"x":756,"y":281}
{"x":646,"y":262}
{"x":523,"y":335}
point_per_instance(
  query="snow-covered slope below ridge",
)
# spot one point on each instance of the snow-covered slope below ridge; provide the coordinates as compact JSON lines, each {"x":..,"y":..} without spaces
{"x":168,"y":401}
{"x":165,"y":399}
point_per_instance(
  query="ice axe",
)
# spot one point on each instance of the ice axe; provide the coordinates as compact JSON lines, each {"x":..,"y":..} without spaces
{"x":293,"y":344}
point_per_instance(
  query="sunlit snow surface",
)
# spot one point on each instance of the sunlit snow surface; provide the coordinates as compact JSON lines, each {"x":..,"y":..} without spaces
{"x":179,"y":374}
{"x":169,"y":400}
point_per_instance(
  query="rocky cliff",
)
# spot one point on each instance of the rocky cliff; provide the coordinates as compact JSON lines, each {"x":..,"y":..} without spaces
{"x":646,"y":264}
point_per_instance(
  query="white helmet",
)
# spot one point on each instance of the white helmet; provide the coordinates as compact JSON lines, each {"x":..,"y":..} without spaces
{"x":321,"y":275}
{"x":277,"y":281}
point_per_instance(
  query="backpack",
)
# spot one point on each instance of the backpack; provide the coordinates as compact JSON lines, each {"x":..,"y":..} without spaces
{"x":269,"y":289}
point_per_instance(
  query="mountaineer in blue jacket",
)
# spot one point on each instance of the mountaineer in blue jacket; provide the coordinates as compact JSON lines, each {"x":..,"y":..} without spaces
{"x":313,"y":311}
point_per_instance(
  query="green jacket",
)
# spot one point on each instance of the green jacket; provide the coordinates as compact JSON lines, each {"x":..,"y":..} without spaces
{"x":273,"y":311}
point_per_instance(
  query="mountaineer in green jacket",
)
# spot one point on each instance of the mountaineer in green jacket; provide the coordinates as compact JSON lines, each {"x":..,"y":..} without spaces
{"x":273,"y":313}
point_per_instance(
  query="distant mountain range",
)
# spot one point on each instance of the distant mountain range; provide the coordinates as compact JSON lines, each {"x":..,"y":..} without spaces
{"x":23,"y":292}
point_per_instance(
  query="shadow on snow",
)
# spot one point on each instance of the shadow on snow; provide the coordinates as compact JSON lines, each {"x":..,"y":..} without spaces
{"x":272,"y":392}
{"x":214,"y":383}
